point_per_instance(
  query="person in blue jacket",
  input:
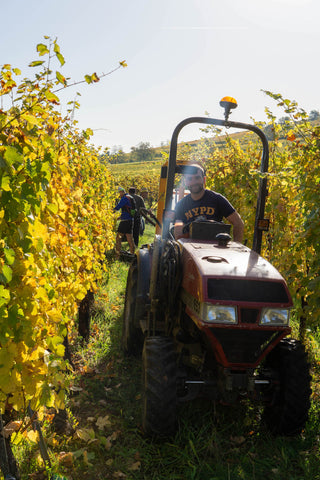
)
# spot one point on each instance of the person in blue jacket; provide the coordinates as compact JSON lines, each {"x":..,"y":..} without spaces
{"x":126,"y":222}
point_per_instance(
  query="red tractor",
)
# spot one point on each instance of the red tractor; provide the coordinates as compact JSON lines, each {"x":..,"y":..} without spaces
{"x":211,"y":316}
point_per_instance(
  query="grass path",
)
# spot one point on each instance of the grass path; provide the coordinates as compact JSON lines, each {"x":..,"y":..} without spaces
{"x":213,"y":442}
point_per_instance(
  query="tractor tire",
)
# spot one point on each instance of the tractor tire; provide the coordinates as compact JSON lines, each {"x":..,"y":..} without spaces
{"x":159,"y":416}
{"x":288,"y":411}
{"x":132,"y":337}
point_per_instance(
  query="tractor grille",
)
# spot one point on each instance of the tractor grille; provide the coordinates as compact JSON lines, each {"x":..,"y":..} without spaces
{"x":249,"y":315}
{"x":243,"y":346}
{"x":246,"y":291}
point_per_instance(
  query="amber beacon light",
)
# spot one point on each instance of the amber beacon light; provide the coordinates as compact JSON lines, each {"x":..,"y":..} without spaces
{"x":228,"y":103}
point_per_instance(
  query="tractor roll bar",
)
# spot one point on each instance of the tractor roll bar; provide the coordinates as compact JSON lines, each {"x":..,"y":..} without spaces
{"x":262,"y":192}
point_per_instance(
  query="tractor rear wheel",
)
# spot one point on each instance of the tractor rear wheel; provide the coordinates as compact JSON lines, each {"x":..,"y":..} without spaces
{"x":8,"y":464}
{"x":132,"y":337}
{"x":287,"y":412}
{"x":159,"y":387}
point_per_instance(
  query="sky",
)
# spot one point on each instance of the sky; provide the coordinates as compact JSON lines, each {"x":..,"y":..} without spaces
{"x":183,"y":56}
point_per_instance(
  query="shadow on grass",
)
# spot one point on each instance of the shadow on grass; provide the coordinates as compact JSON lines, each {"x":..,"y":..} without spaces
{"x":212,"y":442}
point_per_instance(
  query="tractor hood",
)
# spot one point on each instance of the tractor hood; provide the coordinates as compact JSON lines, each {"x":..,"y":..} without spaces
{"x":231,"y":273}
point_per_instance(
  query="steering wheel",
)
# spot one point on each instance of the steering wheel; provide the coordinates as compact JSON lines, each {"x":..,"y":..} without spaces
{"x":201,"y":218}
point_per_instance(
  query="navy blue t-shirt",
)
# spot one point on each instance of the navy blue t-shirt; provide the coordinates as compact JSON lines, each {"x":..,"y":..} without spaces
{"x":212,"y":205}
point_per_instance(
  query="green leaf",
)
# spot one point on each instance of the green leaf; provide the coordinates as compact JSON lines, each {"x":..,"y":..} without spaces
{"x":39,"y":245}
{"x":78,"y":453}
{"x":16,"y":71}
{"x":36,"y":63}
{"x":4,"y":293}
{"x":9,"y":255}
{"x":4,"y":296}
{"x":13,"y":156}
{"x":6,"y":274}
{"x":32,"y":120}
{"x":54,"y":341}
{"x":60,"y":58}
{"x":51,"y":97}
{"x":53,"y":208}
{"x":87,"y":133}
{"x":61,"y":78}
{"x":5,"y":183}
{"x":42,"y":49}
{"x":60,"y":349}
{"x":88,"y":78}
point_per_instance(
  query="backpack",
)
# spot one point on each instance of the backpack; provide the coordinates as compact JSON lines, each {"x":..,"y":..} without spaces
{"x":132,"y":208}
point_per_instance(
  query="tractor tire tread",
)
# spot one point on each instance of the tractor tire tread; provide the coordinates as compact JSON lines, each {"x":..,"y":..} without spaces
{"x":289,"y":412}
{"x":160,"y":386}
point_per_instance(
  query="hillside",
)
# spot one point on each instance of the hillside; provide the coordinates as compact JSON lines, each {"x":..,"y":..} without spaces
{"x":155,"y":154}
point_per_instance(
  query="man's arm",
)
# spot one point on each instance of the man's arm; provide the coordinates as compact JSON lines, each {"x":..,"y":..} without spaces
{"x":238,"y":226}
{"x":117,"y":207}
{"x":178,"y":226}
{"x":123,"y":201}
{"x":143,"y":205}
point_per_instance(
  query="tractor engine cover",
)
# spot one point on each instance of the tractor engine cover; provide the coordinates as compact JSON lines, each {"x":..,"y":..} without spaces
{"x":235,"y":280}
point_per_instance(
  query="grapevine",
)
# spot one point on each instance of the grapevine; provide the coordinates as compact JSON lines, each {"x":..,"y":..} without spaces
{"x":55,"y":227}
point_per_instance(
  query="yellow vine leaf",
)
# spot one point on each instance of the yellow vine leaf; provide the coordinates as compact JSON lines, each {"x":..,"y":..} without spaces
{"x":33,"y":436}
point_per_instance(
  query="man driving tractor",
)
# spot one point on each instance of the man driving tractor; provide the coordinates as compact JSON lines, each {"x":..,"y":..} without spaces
{"x":202,"y":202}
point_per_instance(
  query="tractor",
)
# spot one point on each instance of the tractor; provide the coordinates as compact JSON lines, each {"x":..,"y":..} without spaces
{"x":210,"y":316}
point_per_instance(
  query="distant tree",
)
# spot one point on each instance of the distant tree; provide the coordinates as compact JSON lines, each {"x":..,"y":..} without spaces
{"x":105,"y":157}
{"x":117,"y":155}
{"x":269,"y":132}
{"x":115,"y":149}
{"x":314,"y":115}
{"x":141,"y":153}
{"x":284,"y":120}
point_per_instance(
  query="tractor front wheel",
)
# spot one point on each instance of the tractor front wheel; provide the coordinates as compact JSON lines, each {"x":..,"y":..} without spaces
{"x":287,"y":410}
{"x":159,"y":387}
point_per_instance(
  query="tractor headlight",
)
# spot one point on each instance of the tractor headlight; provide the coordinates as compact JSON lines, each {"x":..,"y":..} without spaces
{"x":219,"y":313}
{"x":274,"y":316}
